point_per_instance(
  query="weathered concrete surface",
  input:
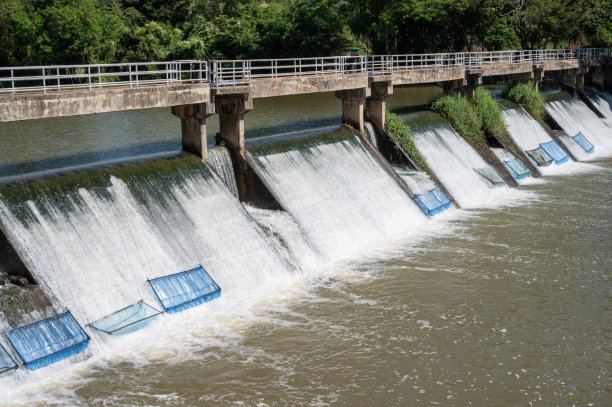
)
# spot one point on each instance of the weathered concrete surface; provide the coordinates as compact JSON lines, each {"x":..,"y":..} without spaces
{"x":424,"y":75}
{"x":353,"y":101}
{"x":507,"y":69}
{"x":268,"y":87}
{"x":193,"y":126}
{"x":560,"y":65}
{"x":376,"y":105}
{"x":24,"y":106}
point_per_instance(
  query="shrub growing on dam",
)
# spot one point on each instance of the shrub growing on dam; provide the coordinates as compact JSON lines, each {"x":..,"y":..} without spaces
{"x":462,"y":115}
{"x":401,"y":133}
{"x":489,"y":112}
{"x":527,"y":96}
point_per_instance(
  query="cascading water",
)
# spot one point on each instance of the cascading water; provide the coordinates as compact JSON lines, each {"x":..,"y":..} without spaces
{"x":528,"y":134}
{"x":336,"y":191}
{"x":92,"y":248}
{"x":574,"y":117}
{"x":451,"y":159}
{"x":220,"y":159}
{"x":603,"y":102}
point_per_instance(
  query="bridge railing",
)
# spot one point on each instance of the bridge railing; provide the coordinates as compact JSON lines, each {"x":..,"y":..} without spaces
{"x":385,"y":64}
{"x":591,"y":53}
{"x":235,"y":73}
{"x":70,"y":77}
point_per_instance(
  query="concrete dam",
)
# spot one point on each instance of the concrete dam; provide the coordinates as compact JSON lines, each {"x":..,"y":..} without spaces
{"x":170,"y":253}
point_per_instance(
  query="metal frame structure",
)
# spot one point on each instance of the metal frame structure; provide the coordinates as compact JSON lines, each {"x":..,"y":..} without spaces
{"x":220,"y":73}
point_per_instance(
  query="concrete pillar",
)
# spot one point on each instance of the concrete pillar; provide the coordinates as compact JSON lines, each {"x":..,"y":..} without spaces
{"x":193,"y":126}
{"x":598,"y":78}
{"x":376,"y":105}
{"x":353,"y":101}
{"x":580,"y":82}
{"x":231,"y":109}
{"x":472,"y":79}
{"x":538,"y":73}
{"x":570,"y":80}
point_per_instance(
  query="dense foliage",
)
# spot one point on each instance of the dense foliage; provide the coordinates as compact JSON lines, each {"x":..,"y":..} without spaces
{"x":462,"y":115}
{"x":402,"y":134}
{"x":89,"y":31}
{"x":527,"y":96}
{"x":489,"y":112}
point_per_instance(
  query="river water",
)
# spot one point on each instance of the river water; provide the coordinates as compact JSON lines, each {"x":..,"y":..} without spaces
{"x":507,"y":304}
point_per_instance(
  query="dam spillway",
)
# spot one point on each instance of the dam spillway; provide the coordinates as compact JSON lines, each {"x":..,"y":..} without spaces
{"x":412,"y":281}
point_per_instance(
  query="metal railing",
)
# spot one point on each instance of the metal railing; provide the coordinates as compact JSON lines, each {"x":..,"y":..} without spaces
{"x":70,"y":77}
{"x":234,"y":73}
{"x":240,"y":72}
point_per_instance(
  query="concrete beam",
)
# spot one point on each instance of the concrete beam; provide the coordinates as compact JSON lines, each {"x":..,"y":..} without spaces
{"x":268,"y":87}
{"x":24,"y":106}
{"x":376,"y":105}
{"x":507,"y":69}
{"x":353,"y":101}
{"x":193,"y":127}
{"x":426,"y":75}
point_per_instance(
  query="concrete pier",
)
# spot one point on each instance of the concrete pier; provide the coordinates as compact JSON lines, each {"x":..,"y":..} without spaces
{"x":353,"y":101}
{"x":376,"y":105}
{"x":193,"y":126}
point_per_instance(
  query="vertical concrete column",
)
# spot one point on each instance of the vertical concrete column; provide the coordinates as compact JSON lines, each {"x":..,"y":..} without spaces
{"x":376,"y":105}
{"x":193,"y":127}
{"x":570,"y":80}
{"x":231,"y":109}
{"x":597,"y":77}
{"x":580,"y":82}
{"x":538,"y":73}
{"x":353,"y":101}
{"x":473,"y":78}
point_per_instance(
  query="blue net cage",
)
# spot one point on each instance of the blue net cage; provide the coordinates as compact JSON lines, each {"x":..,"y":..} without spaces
{"x":186,"y":289}
{"x":518,"y":169}
{"x":126,"y":320}
{"x":433,"y":202}
{"x":490,"y":175}
{"x":584,"y":143}
{"x":48,"y":341}
{"x":6,"y":361}
{"x":540,"y":156}
{"x":558,"y":155}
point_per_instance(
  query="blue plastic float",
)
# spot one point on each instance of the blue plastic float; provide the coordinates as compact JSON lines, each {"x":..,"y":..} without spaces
{"x":48,"y":341}
{"x":186,"y":289}
{"x":558,"y":155}
{"x":518,"y":169}
{"x":540,"y":157}
{"x":584,"y":143}
{"x":126,"y":320}
{"x":433,"y":202}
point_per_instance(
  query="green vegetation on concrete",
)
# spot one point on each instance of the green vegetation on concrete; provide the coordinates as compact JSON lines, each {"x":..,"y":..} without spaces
{"x":527,"y":96}
{"x":402,"y":134}
{"x":489,"y":112}
{"x":42,"y":32}
{"x":462,"y":115}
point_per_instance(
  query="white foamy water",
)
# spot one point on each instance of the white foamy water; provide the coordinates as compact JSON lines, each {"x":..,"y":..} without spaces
{"x":574,"y":116}
{"x":339,"y":195}
{"x":93,"y":253}
{"x":528,"y":134}
{"x":454,"y":161}
{"x":603,"y":102}
{"x":418,"y":181}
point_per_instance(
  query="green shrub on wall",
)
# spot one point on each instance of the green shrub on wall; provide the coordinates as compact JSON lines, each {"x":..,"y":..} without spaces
{"x":527,"y":96}
{"x":489,"y":112}
{"x":462,"y":115}
{"x":401,"y":133}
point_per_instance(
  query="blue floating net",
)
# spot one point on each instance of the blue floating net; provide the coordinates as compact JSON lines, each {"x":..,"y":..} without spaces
{"x":6,"y":361}
{"x":518,"y":169}
{"x":433,"y":202}
{"x":584,"y":143}
{"x":186,"y":289}
{"x":557,"y":153}
{"x":48,"y":341}
{"x":540,"y":157}
{"x":126,"y":320}
{"x":490,"y":175}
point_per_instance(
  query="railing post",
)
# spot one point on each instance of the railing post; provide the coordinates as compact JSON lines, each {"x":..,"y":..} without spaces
{"x":136,"y":75}
{"x":89,"y":76}
{"x":58,"y":80}
{"x":12,"y":81}
{"x":99,"y":77}
{"x":130,"y":74}
{"x":44,"y":82}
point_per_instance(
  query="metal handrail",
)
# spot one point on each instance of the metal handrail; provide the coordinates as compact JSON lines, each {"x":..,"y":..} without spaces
{"x":71,"y":77}
{"x":221,"y":73}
